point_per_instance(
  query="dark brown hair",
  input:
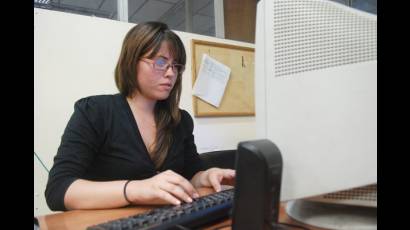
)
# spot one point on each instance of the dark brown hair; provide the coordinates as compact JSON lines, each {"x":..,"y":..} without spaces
{"x":146,"y":38}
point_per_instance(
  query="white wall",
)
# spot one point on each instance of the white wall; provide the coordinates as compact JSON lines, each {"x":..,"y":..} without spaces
{"x":75,"y":57}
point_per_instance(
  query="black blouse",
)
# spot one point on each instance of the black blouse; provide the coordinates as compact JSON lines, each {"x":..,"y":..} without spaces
{"x":102,"y":143}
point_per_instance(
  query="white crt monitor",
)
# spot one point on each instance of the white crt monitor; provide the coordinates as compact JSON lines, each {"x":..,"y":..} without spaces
{"x":316,"y":97}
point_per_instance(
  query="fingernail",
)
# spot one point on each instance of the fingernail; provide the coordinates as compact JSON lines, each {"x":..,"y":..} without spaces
{"x":178,"y":202}
{"x":196,"y":195}
{"x":189,"y":200}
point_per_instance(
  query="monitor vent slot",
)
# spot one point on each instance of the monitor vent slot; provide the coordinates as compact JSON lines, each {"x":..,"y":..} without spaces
{"x":366,"y":193}
{"x":311,"y":35}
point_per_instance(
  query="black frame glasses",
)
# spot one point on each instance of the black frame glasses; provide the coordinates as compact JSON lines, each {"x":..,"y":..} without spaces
{"x":160,"y":64}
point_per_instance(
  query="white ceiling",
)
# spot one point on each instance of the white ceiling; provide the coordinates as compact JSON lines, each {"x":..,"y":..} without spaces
{"x":171,"y":12}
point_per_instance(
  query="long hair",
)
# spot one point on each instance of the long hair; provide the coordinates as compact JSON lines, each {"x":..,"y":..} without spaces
{"x":142,"y":39}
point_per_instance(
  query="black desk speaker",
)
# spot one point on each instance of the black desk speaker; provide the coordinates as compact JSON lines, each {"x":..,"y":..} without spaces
{"x":258,"y":167}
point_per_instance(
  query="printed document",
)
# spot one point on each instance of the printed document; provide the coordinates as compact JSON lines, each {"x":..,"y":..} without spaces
{"x":211,"y":82}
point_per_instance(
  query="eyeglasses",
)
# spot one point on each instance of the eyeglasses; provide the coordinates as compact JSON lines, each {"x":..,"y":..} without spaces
{"x":160,"y":64}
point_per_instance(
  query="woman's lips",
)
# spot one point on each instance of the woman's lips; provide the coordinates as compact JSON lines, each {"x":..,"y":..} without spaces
{"x":166,"y":86}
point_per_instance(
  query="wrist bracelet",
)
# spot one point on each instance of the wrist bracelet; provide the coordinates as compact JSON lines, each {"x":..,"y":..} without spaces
{"x":125,"y":191}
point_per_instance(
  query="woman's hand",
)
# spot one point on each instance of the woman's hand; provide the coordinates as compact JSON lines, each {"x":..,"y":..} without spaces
{"x":214,"y":177}
{"x":166,"y":187}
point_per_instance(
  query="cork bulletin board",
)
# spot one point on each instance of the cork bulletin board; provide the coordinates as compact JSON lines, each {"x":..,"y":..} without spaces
{"x":239,"y":97}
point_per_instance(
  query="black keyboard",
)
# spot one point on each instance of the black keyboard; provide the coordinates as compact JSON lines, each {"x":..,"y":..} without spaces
{"x":201,"y":211}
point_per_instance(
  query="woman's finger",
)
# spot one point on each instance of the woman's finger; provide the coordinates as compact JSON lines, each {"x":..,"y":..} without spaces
{"x":166,"y":196}
{"x":228,"y":173}
{"x":215,"y":180}
{"x":176,"y":191}
{"x":177,"y":179}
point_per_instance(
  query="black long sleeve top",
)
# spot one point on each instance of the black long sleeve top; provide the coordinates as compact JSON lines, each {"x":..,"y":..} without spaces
{"x":102,"y":143}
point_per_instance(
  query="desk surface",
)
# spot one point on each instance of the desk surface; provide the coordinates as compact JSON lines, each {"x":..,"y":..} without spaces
{"x":81,"y":219}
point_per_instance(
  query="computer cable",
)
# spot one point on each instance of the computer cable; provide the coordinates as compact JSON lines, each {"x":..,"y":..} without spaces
{"x":41,"y":162}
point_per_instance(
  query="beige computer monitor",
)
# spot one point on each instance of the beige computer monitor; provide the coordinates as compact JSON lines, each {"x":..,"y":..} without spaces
{"x":316,"y":97}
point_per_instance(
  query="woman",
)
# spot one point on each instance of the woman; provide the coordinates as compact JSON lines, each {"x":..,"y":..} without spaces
{"x":135,"y":147}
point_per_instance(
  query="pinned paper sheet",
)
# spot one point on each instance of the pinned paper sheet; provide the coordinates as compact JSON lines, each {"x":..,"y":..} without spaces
{"x":211,"y":82}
